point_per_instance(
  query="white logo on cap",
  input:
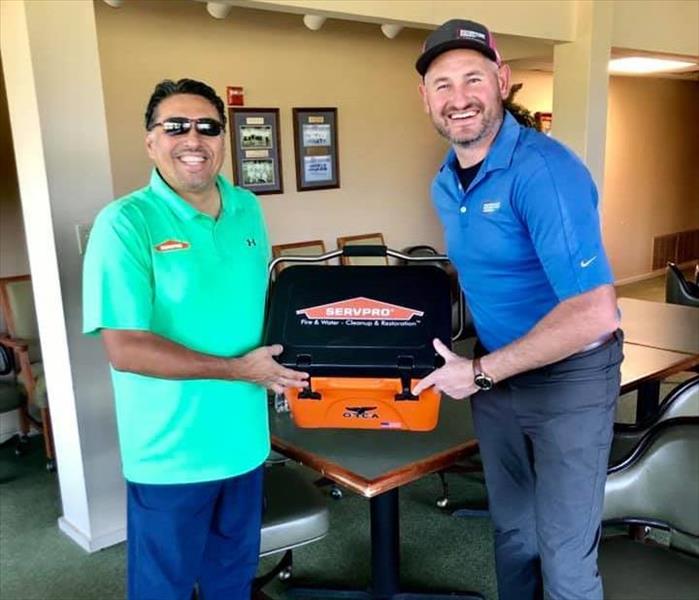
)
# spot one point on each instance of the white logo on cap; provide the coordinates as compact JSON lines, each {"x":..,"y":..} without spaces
{"x":467,"y":33}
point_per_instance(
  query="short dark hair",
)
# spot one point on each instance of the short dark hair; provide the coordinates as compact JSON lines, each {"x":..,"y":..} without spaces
{"x":167,"y":88}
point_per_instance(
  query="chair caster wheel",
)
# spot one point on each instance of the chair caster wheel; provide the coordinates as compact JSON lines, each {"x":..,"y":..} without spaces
{"x":285,"y":574}
{"x":336,"y":493}
{"x":442,"y":502}
{"x":51,"y":466}
{"x":22,"y":445}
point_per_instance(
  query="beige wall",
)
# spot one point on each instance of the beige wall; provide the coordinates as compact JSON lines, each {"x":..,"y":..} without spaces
{"x":670,"y":26}
{"x":388,"y":150}
{"x":13,"y":248}
{"x":537,"y":92}
{"x":651,"y":176}
{"x":546,"y":19}
{"x":655,"y":25}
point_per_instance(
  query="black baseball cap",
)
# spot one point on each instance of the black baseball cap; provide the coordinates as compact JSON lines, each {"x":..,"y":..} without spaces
{"x":457,"y":33}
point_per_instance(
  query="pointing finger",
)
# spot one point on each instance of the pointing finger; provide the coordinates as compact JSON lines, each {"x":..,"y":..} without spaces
{"x":423,"y":384}
{"x":442,"y":350}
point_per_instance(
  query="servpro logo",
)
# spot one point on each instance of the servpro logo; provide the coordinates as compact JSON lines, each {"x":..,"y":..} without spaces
{"x":170,"y":245}
{"x":360,"y":309}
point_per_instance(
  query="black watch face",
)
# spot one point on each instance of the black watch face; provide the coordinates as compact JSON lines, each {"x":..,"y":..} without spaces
{"x":483,"y":382}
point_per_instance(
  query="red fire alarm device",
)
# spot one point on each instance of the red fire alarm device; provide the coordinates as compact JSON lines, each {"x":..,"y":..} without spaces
{"x":235,"y":96}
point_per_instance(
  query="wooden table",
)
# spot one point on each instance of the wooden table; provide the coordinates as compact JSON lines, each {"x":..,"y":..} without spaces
{"x":663,"y":328}
{"x":375,"y":464}
{"x":643,"y":369}
{"x":660,"y":325}
{"x":643,"y":365}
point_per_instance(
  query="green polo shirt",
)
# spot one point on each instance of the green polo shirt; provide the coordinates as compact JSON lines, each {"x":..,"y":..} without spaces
{"x":154,"y":263}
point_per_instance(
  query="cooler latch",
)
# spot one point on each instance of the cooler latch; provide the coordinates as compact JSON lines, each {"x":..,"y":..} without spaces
{"x":405,"y":368}
{"x":303,"y":361}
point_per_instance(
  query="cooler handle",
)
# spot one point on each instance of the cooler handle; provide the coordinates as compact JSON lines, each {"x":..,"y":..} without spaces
{"x":364,"y":250}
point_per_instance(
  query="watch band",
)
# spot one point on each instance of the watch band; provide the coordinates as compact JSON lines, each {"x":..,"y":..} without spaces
{"x":480,"y":378}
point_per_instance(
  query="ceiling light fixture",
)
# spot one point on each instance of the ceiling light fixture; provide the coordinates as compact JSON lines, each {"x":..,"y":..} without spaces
{"x":218,"y":10}
{"x":639,"y":65}
{"x":391,"y":30}
{"x":313,"y":22}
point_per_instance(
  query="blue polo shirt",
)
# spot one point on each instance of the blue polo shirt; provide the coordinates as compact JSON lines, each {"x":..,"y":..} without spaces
{"x":525,"y":235}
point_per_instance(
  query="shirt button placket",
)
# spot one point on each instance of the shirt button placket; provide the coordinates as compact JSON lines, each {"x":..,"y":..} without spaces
{"x":462,"y":209}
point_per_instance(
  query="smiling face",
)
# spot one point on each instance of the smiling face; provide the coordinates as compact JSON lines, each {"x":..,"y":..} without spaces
{"x":463,"y":91}
{"x":190,"y":162}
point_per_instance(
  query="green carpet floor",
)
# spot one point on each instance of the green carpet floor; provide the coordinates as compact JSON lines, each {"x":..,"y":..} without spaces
{"x":38,"y":562}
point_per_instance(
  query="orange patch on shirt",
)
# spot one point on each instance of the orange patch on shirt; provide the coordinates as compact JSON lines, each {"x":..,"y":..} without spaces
{"x":170,"y":245}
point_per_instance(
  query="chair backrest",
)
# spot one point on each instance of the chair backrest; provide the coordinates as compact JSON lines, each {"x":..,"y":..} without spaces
{"x":658,"y":483}
{"x":307,"y":248}
{"x":683,"y":401}
{"x":18,"y":312}
{"x":678,"y":290}
{"x":364,"y":239}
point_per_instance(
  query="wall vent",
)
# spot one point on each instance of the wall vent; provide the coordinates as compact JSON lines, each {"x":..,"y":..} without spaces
{"x":679,"y":247}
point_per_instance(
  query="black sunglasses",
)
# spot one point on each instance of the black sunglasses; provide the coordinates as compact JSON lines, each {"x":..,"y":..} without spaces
{"x":181,"y":125}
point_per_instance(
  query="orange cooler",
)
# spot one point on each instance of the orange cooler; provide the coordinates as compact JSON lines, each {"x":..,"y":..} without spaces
{"x":364,"y":403}
{"x":364,"y":334}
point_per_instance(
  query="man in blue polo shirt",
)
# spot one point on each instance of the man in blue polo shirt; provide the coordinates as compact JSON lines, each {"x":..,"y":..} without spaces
{"x":175,"y":277}
{"x":519,"y":212}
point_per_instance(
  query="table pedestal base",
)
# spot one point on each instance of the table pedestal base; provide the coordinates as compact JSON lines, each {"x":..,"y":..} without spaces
{"x":385,"y":562}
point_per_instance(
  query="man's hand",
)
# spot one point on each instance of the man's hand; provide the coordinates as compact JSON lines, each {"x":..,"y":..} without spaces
{"x":259,"y":366}
{"x":455,"y":378}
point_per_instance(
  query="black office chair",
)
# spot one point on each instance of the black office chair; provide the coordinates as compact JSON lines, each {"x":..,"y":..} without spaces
{"x":682,"y":401}
{"x":656,"y":486}
{"x":12,"y":399}
{"x":678,"y":290}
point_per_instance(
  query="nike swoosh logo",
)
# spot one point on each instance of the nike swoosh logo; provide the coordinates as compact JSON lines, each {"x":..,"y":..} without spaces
{"x":587,"y":263}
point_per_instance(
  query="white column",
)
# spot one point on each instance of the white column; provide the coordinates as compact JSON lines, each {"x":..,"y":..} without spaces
{"x":54,"y":90}
{"x":580,"y":86}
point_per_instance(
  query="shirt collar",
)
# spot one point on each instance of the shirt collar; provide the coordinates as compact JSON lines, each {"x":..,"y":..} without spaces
{"x":500,"y":153}
{"x":183,"y":209}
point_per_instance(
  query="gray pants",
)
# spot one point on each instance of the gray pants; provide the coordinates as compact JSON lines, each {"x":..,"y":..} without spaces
{"x":544,"y":439}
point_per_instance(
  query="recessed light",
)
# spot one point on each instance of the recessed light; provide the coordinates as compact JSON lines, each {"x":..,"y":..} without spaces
{"x":645,"y":64}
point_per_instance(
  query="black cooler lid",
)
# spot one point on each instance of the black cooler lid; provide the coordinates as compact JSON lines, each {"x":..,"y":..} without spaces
{"x":360,"y":321}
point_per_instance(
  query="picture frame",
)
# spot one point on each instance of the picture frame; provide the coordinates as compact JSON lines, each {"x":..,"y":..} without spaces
{"x":316,"y":148}
{"x":543,"y":122}
{"x":256,"y":149}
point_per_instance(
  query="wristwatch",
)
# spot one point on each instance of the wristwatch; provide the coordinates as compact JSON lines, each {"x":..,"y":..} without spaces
{"x":483,"y":382}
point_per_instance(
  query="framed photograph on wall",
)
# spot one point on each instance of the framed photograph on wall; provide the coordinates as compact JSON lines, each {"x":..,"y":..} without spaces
{"x":543,"y":122}
{"x":257,"y":155}
{"x":316,"y":149}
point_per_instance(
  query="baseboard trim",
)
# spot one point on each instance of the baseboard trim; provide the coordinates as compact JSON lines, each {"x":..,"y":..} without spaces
{"x":86,"y":542}
{"x":652,"y":274}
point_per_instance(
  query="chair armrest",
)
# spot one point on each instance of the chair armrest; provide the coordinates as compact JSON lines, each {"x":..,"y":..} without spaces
{"x":14,"y":343}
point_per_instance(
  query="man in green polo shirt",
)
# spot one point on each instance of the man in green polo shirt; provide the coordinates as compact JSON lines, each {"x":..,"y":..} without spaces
{"x":174,"y":281}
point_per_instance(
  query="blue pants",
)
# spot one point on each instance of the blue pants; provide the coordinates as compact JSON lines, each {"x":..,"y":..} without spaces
{"x":544,"y":439}
{"x":201,"y":532}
